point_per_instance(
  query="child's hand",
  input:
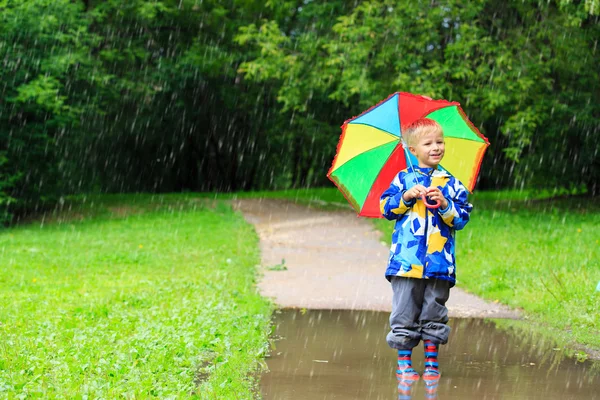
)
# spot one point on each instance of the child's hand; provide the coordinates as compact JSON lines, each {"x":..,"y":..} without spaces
{"x":435,"y":194}
{"x":414,"y":192}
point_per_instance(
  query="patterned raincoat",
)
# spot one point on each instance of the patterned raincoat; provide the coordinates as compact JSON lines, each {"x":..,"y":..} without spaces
{"x":423,"y":239}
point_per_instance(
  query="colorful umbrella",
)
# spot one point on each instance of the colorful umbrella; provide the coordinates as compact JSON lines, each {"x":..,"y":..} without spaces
{"x":370,"y":152}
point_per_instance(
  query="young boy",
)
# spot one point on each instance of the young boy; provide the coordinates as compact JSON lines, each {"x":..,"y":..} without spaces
{"x":421,"y":266}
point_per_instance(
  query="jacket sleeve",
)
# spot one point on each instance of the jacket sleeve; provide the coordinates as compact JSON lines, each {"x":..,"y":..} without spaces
{"x":456,"y":215}
{"x":391,"y":204}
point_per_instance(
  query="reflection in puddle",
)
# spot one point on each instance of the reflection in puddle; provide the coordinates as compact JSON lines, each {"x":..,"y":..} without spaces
{"x":343,"y":355}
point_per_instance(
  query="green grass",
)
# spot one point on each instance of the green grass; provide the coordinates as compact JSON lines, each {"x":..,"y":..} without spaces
{"x":132,"y":296}
{"x":541,"y":256}
{"x":528,"y":250}
{"x":321,"y":198}
{"x":142,"y":296}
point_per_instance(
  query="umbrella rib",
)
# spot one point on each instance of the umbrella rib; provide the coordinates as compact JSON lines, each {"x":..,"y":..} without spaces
{"x":467,"y":139}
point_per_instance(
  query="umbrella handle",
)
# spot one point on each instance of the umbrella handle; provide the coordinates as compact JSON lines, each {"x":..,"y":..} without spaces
{"x":435,"y":205}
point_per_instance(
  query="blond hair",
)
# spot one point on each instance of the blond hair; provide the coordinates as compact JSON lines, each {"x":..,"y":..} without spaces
{"x":418,"y":128}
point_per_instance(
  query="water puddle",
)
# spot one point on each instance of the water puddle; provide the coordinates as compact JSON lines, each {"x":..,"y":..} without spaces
{"x":343,"y":355}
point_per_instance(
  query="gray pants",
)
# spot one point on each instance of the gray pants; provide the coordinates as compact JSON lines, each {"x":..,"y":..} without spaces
{"x":418,"y":312}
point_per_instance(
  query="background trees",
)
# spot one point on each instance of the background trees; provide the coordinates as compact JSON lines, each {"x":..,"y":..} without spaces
{"x":238,"y":95}
{"x":524,"y":71}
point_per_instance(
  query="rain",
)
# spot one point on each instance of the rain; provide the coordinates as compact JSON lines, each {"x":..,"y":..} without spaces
{"x":149,"y":145}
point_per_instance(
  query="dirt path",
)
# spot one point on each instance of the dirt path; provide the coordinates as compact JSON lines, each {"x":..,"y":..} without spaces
{"x":332,"y":260}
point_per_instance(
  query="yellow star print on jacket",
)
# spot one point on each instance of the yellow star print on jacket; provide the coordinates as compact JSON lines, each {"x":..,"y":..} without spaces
{"x":423,"y":239}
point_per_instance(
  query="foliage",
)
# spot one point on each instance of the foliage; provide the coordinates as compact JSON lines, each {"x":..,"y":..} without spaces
{"x":45,"y":47}
{"x":132,"y":296}
{"x":188,"y":95}
{"x":525,"y":72}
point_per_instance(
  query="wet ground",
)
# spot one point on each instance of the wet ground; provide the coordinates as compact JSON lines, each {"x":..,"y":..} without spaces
{"x":335,"y":354}
{"x":333,"y":260}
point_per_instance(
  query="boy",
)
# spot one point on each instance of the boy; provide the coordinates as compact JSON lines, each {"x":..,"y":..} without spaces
{"x":421,"y":267}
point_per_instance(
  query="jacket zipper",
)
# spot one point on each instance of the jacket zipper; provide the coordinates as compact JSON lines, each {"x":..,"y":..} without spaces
{"x":426,"y":237}
{"x":426,"y":242}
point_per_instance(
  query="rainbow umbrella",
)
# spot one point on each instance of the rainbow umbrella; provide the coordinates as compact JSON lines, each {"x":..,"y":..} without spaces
{"x":370,"y":153}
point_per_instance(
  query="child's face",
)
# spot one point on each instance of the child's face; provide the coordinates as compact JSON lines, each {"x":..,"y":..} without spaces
{"x":429,"y":150}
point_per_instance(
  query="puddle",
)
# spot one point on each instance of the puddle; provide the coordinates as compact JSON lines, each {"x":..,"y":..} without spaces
{"x":343,"y":355}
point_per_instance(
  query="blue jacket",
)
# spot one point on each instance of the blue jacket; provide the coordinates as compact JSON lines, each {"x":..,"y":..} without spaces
{"x":423,"y":239}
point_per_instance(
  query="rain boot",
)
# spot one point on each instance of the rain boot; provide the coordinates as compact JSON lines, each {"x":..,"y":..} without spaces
{"x":405,"y":370}
{"x":432,"y":372}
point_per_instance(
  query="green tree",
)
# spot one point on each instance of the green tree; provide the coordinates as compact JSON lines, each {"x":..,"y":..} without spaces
{"x":44,"y":45}
{"x":524,"y":72}
{"x":235,"y":95}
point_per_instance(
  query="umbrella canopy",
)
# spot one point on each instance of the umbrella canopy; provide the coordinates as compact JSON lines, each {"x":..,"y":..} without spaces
{"x":370,"y":152}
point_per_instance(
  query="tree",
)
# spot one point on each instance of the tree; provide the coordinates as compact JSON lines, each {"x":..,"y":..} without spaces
{"x":44,"y":45}
{"x":522,"y":70}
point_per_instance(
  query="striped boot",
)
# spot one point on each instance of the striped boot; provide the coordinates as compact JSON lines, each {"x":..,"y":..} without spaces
{"x":432,"y":371}
{"x":405,"y":370}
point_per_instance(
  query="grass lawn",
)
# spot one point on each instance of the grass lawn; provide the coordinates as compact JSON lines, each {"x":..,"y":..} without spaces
{"x":541,"y":256}
{"x":141,"y":296}
{"x":524,"y":249}
{"x":132,"y":296}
